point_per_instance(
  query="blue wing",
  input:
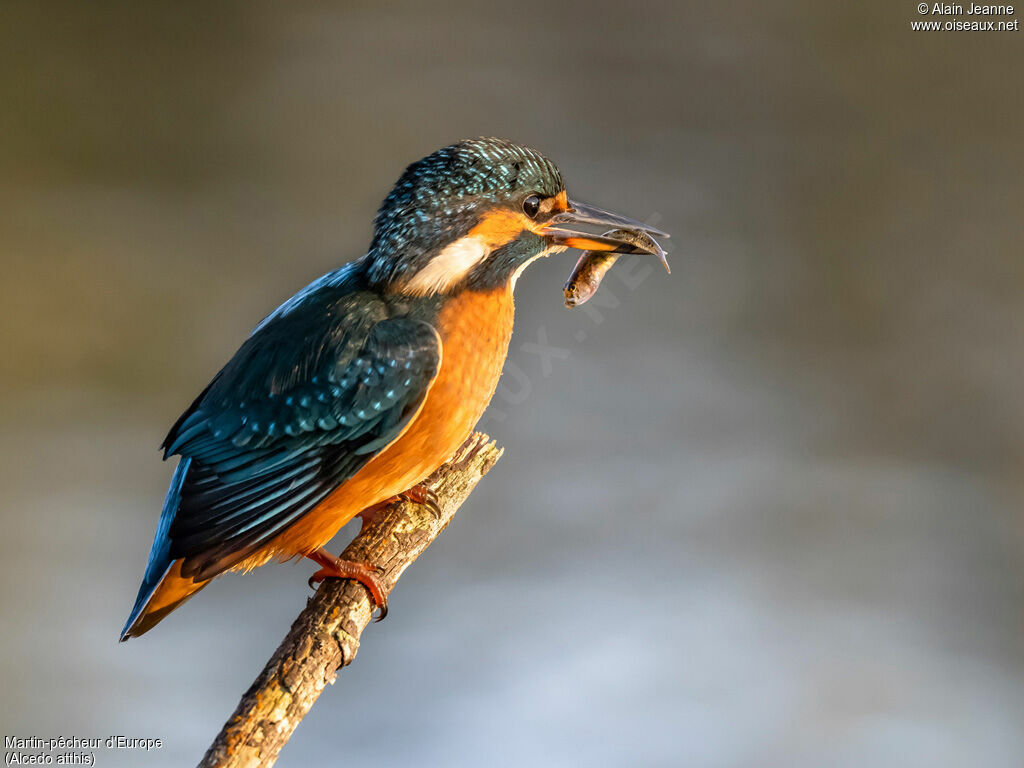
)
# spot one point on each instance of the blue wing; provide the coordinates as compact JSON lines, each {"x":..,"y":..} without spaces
{"x":159,"y":554}
{"x":310,"y":398}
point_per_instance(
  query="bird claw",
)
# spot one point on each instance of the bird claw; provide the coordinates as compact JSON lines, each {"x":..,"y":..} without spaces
{"x":421,"y":494}
{"x":367,"y":575}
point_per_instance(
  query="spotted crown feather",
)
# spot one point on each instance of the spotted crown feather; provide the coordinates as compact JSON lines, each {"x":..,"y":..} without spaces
{"x":447,"y":189}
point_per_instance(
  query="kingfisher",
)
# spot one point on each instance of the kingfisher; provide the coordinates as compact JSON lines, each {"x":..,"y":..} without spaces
{"x":354,"y":390}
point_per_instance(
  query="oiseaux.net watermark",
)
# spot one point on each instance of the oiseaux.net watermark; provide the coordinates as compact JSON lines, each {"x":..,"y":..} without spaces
{"x":953,"y":17}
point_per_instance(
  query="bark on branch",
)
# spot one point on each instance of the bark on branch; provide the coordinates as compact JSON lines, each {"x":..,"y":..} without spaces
{"x":325,"y":637}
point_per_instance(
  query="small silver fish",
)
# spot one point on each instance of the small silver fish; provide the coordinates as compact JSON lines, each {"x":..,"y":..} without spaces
{"x":592,"y":266}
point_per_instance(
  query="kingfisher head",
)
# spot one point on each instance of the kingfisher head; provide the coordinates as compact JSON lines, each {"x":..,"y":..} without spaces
{"x":475,"y":214}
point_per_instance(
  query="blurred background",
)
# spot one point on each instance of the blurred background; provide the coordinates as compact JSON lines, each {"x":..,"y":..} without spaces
{"x":765,"y":511}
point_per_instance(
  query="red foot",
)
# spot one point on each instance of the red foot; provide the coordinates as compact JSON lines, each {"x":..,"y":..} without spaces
{"x":420,"y":494}
{"x":336,"y":568}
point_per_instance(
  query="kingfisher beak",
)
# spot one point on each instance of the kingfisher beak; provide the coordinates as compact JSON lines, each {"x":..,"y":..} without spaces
{"x":561,"y":229}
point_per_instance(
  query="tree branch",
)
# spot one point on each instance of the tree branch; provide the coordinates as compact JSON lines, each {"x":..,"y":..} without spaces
{"x":325,"y":636}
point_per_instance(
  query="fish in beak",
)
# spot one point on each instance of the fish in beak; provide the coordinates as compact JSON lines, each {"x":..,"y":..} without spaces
{"x":586,"y":276}
{"x":562,"y":229}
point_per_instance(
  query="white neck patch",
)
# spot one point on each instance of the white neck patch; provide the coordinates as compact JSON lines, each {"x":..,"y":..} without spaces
{"x":448,"y":267}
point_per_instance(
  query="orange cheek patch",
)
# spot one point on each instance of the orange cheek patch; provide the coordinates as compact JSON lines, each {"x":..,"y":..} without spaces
{"x":499,"y":227}
{"x":502,"y":226}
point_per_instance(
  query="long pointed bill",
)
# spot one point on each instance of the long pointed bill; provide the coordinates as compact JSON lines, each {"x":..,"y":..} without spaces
{"x":561,"y":232}
{"x":581,"y":213}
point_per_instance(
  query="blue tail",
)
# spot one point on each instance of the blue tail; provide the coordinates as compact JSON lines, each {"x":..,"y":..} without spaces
{"x":159,"y":555}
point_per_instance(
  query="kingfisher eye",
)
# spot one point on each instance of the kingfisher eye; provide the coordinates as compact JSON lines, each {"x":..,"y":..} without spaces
{"x":531,"y":205}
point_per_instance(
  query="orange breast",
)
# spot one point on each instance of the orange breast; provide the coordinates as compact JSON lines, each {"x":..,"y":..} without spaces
{"x":475,"y":329}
